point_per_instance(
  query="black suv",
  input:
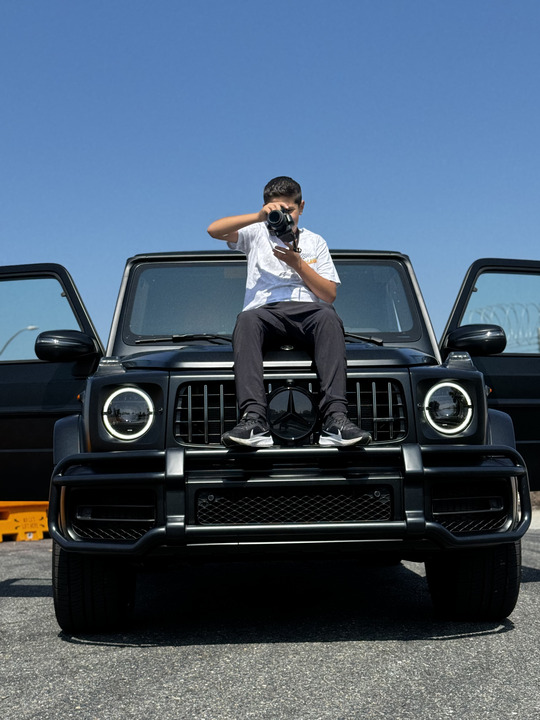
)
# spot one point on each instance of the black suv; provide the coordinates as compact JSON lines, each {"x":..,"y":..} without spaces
{"x":139,"y":471}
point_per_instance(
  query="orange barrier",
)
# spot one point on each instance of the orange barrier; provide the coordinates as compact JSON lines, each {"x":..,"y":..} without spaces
{"x":23,"y":520}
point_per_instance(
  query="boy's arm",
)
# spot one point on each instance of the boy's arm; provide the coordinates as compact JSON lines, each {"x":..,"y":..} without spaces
{"x":323,"y":288}
{"x":227,"y":228}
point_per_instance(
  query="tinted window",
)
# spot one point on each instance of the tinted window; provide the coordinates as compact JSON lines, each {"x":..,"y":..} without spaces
{"x":511,"y":300}
{"x":28,"y":307}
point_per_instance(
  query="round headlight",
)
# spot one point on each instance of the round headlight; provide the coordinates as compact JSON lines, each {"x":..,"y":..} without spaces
{"x":448,"y":408}
{"x":128,"y":413}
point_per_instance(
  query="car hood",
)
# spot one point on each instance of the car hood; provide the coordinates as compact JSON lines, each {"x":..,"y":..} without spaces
{"x":196,"y":357}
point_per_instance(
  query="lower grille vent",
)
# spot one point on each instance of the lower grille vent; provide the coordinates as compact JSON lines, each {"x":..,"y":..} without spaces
{"x":465,"y":524}
{"x":110,"y":531}
{"x":281,"y":507}
{"x":472,"y":508}
{"x":98,"y":516}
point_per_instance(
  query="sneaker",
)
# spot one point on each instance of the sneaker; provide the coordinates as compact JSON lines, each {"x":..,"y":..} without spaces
{"x":252,"y":430}
{"x":339,"y":431}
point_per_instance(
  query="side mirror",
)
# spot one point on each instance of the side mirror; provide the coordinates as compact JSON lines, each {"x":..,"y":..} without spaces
{"x":64,"y":345}
{"x":477,"y":339}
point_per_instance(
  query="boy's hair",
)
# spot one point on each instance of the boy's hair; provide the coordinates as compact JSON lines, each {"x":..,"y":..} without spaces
{"x":282,"y":186}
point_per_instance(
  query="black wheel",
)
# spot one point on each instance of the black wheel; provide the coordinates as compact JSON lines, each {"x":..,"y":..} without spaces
{"x":91,"y":594}
{"x":475,"y":584}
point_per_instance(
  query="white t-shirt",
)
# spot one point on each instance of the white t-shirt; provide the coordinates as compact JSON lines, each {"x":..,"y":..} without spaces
{"x":271,"y":280}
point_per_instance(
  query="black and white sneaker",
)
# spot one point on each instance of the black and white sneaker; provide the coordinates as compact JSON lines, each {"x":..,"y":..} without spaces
{"x":339,"y":431}
{"x":252,"y":430}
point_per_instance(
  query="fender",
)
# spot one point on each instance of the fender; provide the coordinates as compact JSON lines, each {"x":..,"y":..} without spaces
{"x":500,"y":430}
{"x":66,"y":437}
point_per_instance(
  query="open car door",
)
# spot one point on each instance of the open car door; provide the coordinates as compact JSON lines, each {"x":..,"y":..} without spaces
{"x":505,"y":293}
{"x":35,"y":394}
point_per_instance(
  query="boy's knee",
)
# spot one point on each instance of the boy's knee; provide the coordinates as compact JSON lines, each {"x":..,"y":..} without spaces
{"x":249,"y":326}
{"x":247,"y":319}
{"x":328,"y":317}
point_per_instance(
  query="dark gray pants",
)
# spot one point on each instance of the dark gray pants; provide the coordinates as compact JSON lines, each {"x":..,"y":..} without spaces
{"x":315,"y":327}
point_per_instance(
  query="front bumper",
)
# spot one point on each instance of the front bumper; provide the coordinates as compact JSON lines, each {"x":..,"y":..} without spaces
{"x":185,"y":501}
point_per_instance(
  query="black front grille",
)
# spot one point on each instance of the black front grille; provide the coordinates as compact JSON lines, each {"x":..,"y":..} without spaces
{"x":246,"y":506}
{"x":378,"y":406}
{"x":205,"y":410}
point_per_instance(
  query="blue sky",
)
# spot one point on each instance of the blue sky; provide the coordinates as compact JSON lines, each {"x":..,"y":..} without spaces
{"x":127,"y":126}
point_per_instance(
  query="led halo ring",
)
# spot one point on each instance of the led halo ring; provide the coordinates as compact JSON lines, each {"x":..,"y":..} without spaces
{"x":467,"y":402}
{"x":149,"y":413}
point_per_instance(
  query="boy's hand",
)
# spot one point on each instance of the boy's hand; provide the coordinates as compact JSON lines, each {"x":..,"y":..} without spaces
{"x":289,"y":256}
{"x":267,"y":209}
{"x":321,"y":287}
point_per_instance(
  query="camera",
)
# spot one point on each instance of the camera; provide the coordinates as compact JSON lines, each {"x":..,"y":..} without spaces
{"x":281,"y":224}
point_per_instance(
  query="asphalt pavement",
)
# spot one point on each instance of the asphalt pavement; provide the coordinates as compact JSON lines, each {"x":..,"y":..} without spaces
{"x":310,"y":641}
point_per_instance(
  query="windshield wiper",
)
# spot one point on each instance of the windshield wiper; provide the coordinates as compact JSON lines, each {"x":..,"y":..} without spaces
{"x":186,"y":337}
{"x":227,"y":339}
{"x":364,"y":338}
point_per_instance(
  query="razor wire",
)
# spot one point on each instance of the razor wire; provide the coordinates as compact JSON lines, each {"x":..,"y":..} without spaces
{"x":520,"y":321}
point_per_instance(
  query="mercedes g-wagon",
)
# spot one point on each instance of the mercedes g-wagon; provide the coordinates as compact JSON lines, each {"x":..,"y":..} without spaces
{"x":140,"y":472}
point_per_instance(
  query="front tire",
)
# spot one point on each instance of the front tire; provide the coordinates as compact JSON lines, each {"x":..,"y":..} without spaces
{"x":91,"y":593}
{"x":479,"y":584}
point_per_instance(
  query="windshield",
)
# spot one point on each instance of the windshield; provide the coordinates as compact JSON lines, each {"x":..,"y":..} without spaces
{"x":375,"y":298}
{"x":181,"y":298}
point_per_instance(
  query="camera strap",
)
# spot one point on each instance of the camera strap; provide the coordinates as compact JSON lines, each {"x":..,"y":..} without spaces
{"x":294,"y":236}
{"x":290,"y":237}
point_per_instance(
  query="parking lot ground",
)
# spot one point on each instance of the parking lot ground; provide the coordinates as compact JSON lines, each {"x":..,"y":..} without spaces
{"x":334,"y":641}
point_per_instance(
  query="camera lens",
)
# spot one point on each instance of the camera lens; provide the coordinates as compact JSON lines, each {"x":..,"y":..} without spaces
{"x":279,"y":222}
{"x":275,"y":218}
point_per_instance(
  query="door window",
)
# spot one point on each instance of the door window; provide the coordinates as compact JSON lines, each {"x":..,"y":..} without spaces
{"x":27,"y":307}
{"x":511,"y":300}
